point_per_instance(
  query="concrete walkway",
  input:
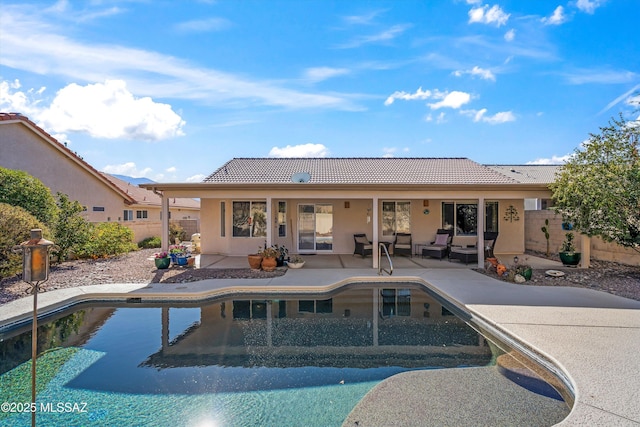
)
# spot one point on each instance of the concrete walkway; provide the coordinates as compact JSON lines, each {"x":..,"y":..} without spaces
{"x":593,"y":338}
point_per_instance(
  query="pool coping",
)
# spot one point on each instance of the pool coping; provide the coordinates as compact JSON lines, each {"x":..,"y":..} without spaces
{"x":591,"y":337}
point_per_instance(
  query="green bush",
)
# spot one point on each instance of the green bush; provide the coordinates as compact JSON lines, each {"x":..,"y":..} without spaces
{"x":18,"y":188}
{"x":176,"y":232}
{"x":71,"y":230}
{"x":15,"y":227}
{"x":150,"y":242}
{"x":107,"y":239}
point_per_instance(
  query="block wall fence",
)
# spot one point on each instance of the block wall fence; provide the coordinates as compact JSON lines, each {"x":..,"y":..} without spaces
{"x":600,"y":250}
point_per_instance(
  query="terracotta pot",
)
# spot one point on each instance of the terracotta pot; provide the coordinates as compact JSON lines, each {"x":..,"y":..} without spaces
{"x":254,"y":261}
{"x":501,"y":269}
{"x":269,"y":264}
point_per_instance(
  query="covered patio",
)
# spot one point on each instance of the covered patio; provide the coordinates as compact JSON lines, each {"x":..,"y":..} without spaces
{"x":346,"y":261}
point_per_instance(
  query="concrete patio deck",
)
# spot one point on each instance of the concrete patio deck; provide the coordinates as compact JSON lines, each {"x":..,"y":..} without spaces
{"x":591,"y":337}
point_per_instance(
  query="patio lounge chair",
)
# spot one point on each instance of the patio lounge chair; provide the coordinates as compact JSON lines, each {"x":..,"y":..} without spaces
{"x":470,"y":253}
{"x":364,"y":246}
{"x":402,"y":244}
{"x":440,"y":247}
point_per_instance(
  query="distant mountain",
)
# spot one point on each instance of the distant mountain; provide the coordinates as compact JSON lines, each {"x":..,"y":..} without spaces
{"x":132,"y":180}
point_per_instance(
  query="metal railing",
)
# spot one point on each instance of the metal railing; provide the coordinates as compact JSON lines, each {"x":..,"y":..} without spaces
{"x":386,"y":251}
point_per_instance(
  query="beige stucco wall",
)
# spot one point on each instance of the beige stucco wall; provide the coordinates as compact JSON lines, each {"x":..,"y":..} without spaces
{"x":346,"y":222}
{"x":22,"y":149}
{"x":600,"y":250}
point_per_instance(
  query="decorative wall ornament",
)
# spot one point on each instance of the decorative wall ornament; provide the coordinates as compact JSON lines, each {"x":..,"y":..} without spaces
{"x":511,"y":214}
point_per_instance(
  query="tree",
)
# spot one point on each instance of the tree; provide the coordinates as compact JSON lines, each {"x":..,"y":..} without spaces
{"x":71,"y":230}
{"x":18,"y":188}
{"x":598,"y":189}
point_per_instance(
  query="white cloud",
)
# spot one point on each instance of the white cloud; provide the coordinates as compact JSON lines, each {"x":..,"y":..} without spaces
{"x":441,"y":118}
{"x":203,"y":25}
{"x":110,"y":111}
{"x":301,"y":150}
{"x":453,"y":99}
{"x":389,"y":151}
{"x":383,"y":36}
{"x":366,"y":19}
{"x":128,"y":169}
{"x":419,"y":94}
{"x":477,"y":71}
{"x":558,"y":17}
{"x":554,"y":160}
{"x":196,"y":178}
{"x":318,"y":74}
{"x":603,"y":76}
{"x":589,"y":6}
{"x":171,"y":169}
{"x":33,"y":42}
{"x":15,"y":101}
{"x":485,"y":15}
{"x":510,"y":35}
{"x":498,"y":118}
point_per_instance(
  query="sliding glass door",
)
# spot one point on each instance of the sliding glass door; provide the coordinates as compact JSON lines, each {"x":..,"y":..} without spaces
{"x":315,"y":227}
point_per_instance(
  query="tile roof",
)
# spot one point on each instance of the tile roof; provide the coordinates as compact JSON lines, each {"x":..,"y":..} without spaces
{"x":529,"y":174}
{"x":148,"y":197}
{"x":359,"y":170}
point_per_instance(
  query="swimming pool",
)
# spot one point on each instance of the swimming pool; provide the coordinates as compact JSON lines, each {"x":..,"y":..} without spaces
{"x":243,"y":360}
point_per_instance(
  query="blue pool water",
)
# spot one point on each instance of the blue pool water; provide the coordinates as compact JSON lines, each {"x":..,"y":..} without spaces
{"x":235,"y":362}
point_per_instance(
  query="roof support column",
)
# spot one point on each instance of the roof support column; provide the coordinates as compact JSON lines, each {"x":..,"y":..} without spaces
{"x":269,"y":225}
{"x":164,"y":240}
{"x":376,"y":246}
{"x":480,"y":223}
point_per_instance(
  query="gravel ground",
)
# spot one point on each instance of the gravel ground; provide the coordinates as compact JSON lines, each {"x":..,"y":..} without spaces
{"x":135,"y":267}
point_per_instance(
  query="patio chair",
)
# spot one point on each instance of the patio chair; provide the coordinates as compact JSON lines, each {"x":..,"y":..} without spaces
{"x":364,"y":246}
{"x":440,"y":247}
{"x":402,"y":244}
{"x":470,"y":253}
{"x":489,"y":243}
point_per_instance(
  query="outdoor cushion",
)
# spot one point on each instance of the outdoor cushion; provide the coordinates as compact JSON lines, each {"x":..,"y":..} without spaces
{"x":441,"y":239}
{"x":402,"y":246}
{"x":403,"y":240}
{"x":362,"y":239}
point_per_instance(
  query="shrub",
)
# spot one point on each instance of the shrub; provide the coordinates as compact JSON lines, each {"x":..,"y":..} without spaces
{"x":150,"y":242}
{"x":176,"y":232}
{"x":107,"y":239}
{"x":18,"y":188}
{"x":71,"y":230}
{"x":15,"y":226}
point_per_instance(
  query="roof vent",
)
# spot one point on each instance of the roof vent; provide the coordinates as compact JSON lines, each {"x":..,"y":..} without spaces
{"x":301,"y":177}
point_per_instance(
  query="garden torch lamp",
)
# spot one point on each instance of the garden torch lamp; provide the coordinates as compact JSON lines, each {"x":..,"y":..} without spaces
{"x":35,"y":271}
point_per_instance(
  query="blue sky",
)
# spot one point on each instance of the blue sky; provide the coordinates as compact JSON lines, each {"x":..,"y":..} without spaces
{"x":171,"y":90}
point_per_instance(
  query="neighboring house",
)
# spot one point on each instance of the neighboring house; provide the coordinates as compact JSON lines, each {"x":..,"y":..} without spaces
{"x":531,"y":174}
{"x":316,"y":205}
{"x":27,"y":147}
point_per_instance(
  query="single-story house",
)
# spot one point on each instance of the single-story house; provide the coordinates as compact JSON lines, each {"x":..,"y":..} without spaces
{"x":26,"y":146}
{"x":316,"y":205}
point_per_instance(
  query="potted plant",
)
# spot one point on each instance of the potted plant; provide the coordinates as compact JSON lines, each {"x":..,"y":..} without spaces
{"x":295,"y":262}
{"x":269,"y":256}
{"x":176,"y":251}
{"x":162,"y":260}
{"x":568,"y":254}
{"x":282,"y":254}
{"x":255,"y":261}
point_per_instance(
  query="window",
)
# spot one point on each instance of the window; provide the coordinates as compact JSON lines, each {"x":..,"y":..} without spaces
{"x":141,"y":214}
{"x":491,"y":215}
{"x":223,"y":214}
{"x":249,"y":309}
{"x":315,"y":306}
{"x":98,"y":208}
{"x":128,"y":215}
{"x":465,"y":217}
{"x":249,"y":219}
{"x":396,"y":218}
{"x":282,"y":219}
{"x":396,"y":302}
